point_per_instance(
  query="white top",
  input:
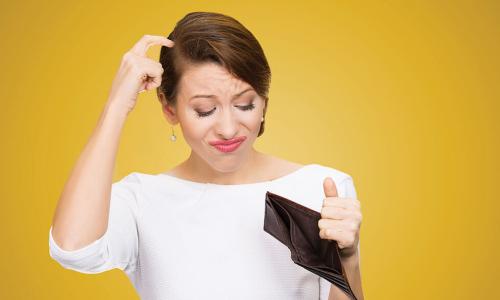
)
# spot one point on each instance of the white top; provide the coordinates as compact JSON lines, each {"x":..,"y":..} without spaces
{"x":179,"y":239}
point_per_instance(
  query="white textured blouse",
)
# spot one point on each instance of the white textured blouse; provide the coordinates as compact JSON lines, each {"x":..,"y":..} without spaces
{"x":179,"y":239}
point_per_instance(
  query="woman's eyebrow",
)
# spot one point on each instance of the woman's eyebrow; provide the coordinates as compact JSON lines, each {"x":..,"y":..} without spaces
{"x":213,"y":96}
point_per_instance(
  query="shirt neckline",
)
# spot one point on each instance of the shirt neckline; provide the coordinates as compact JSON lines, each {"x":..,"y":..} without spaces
{"x":252,"y":184}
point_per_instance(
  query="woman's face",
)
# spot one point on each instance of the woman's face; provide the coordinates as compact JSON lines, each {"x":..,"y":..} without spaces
{"x":212,"y":105}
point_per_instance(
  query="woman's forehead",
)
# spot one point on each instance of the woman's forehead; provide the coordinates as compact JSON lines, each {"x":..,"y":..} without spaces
{"x":210,"y":79}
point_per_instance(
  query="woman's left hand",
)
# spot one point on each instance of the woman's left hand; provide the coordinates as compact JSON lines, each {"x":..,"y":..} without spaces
{"x":340,"y":219}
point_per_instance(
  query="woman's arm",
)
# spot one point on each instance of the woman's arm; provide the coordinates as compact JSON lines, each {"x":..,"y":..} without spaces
{"x":341,"y":221}
{"x":82,"y":212}
{"x":353,"y":272}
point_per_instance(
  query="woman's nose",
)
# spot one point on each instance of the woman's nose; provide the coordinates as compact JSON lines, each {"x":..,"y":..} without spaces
{"x":227,"y":124}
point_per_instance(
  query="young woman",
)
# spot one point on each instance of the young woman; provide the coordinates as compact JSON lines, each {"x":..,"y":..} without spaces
{"x":196,"y":230}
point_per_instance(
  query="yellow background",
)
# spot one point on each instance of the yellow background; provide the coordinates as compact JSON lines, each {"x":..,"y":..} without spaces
{"x":404,"y":96}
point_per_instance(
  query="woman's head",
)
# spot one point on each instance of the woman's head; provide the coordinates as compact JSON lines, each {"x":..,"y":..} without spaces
{"x":214,"y":55}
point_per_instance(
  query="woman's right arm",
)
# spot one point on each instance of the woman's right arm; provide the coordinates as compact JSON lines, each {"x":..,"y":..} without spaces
{"x":82,"y":212}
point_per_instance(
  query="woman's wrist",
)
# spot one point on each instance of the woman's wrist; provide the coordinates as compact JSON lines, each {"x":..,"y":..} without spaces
{"x":350,"y":259}
{"x":114,"y":108}
{"x":351,"y":265}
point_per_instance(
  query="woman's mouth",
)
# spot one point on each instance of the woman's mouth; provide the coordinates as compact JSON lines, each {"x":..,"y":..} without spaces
{"x":228,"y":145}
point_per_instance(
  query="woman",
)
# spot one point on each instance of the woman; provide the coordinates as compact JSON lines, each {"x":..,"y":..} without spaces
{"x":195,"y":231}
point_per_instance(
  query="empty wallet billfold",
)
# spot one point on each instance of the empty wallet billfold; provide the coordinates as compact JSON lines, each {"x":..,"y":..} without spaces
{"x":296,"y":226}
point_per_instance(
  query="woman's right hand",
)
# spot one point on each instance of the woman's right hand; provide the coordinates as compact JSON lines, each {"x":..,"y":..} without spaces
{"x":137,"y":73}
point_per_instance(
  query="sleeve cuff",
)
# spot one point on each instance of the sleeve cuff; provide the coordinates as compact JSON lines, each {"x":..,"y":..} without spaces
{"x":73,"y":255}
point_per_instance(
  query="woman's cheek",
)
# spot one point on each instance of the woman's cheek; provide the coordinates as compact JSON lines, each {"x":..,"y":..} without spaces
{"x":251,"y":119}
{"x":199,"y":128}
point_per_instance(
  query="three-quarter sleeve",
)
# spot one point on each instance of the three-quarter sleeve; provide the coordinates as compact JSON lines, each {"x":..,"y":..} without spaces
{"x":346,"y":190}
{"x":118,"y":247}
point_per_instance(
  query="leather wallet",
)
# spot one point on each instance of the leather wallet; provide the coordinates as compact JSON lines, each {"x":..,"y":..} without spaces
{"x":296,"y":226}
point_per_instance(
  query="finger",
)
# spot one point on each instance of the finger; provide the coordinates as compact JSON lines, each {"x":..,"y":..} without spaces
{"x":336,"y":213}
{"x":142,"y":46}
{"x":348,"y":225}
{"x":329,"y":223}
{"x":342,"y":202}
{"x":336,"y":234}
{"x":149,"y":67}
{"x":154,"y":81}
{"x":343,"y":238}
{"x":151,"y":79}
{"x":329,"y":187}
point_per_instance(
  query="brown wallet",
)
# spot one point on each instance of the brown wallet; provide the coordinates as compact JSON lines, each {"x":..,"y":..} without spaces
{"x":296,"y":226}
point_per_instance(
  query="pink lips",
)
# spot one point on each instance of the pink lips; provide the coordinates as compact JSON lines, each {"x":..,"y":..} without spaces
{"x":228,"y":145}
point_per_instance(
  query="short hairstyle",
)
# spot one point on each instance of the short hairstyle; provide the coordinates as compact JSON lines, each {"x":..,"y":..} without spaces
{"x":214,"y":37}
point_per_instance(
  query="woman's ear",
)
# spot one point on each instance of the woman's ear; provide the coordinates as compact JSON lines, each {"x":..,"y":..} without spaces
{"x":265,"y":106}
{"x":169,"y":110}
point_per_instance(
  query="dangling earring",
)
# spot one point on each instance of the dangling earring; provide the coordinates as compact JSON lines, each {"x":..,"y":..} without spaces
{"x":173,"y":137}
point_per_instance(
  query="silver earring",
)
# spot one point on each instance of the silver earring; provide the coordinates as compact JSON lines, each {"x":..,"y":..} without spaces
{"x":173,"y":137}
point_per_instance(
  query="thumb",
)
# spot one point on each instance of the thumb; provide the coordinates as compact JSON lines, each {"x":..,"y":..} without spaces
{"x":329,"y":187}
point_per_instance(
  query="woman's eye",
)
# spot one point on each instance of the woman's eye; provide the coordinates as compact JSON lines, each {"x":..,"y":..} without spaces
{"x":205,"y":113}
{"x":202,"y":114}
{"x":247,"y":107}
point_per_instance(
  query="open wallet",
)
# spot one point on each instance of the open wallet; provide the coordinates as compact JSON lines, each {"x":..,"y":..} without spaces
{"x":296,"y":226}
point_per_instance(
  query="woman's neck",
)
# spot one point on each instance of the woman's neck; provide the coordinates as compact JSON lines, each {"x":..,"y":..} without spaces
{"x":248,"y":171}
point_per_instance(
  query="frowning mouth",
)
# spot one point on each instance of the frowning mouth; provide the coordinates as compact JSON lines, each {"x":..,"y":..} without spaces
{"x":228,"y":145}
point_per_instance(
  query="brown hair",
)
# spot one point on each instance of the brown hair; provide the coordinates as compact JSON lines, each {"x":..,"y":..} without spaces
{"x":213,"y":37}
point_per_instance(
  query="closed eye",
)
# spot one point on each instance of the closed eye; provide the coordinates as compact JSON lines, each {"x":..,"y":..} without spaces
{"x":247,"y":107}
{"x":202,"y":114}
{"x":205,"y":114}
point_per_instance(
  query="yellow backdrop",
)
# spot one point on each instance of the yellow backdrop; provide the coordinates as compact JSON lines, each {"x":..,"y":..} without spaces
{"x":403,"y":96}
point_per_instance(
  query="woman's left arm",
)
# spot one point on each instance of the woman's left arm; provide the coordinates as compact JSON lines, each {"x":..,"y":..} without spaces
{"x":341,"y":221}
{"x":351,"y":267}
